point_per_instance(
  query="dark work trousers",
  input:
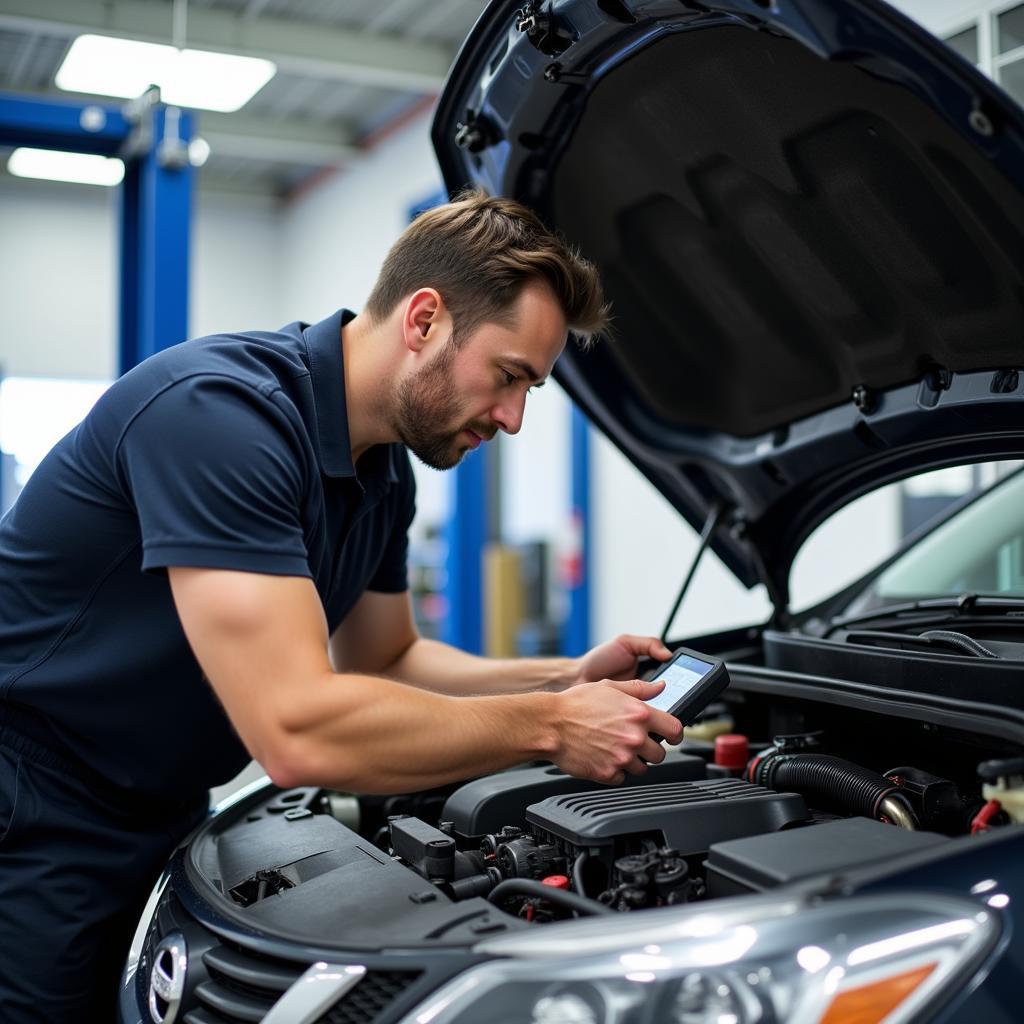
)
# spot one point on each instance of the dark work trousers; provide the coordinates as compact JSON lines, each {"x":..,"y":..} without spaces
{"x":75,"y":873}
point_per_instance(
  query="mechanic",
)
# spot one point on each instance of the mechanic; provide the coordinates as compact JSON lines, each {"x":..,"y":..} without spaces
{"x":212,"y":567}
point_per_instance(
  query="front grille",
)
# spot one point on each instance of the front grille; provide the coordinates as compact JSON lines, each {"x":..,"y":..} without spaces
{"x":374,"y":993}
{"x":242,"y":985}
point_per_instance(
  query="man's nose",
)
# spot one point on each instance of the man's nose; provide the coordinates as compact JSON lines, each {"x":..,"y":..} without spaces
{"x":509,"y":413}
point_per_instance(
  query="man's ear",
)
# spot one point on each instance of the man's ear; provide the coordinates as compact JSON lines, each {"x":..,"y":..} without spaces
{"x":423,"y":311}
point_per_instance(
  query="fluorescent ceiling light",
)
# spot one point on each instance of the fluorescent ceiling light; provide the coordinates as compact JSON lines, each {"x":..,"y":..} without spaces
{"x":55,"y":165}
{"x":107,"y":66}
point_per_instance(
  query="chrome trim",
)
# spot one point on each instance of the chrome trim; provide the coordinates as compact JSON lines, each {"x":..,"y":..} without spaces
{"x":315,"y":992}
{"x":167,"y":978}
{"x":240,"y":794}
{"x":142,"y":928}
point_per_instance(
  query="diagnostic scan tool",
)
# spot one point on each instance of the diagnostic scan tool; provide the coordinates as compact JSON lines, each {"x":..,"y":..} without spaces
{"x":692,"y":681}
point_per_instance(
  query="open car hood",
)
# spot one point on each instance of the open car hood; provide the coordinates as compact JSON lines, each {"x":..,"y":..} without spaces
{"x":808,"y":218}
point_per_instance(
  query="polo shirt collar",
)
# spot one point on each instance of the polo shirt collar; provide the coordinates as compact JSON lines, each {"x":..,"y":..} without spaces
{"x":327,"y":370}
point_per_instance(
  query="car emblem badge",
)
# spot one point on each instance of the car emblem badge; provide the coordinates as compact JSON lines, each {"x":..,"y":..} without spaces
{"x":167,"y":978}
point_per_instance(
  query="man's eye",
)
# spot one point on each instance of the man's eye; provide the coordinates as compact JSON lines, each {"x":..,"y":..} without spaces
{"x":510,"y":378}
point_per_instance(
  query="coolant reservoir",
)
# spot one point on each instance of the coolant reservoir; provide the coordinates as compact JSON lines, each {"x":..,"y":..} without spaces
{"x":709,"y":728}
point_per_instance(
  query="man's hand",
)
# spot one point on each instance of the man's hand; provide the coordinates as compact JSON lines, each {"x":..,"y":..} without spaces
{"x":604,"y":730}
{"x":618,"y":658}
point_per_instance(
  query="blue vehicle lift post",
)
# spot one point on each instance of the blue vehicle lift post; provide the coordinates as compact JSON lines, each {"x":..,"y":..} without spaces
{"x":156,"y":201}
{"x":467,"y":535}
{"x":576,"y":632}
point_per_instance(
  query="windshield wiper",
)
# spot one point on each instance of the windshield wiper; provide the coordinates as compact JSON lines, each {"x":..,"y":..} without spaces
{"x":934,"y":609}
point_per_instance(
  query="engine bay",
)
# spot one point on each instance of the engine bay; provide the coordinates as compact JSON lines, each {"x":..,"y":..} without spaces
{"x":723,"y":815}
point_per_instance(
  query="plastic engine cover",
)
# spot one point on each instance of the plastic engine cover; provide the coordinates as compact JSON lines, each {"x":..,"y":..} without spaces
{"x":486,"y":804}
{"x":690,"y":815}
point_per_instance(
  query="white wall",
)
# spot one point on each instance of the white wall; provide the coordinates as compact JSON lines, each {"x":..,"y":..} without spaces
{"x":58,"y":297}
{"x":536,"y":470}
{"x":59,"y":268}
{"x":642,"y":552}
{"x":236,"y":267}
{"x":336,"y":236}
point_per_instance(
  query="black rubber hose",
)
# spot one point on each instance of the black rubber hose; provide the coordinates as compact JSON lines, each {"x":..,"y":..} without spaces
{"x":825,"y":780}
{"x":537,"y":890}
{"x":577,"y":873}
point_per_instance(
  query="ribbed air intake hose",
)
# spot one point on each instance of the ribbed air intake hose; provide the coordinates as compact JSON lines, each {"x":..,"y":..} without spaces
{"x":832,"y":783}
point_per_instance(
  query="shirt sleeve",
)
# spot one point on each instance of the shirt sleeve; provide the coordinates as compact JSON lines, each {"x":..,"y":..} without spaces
{"x":392,"y":575}
{"x":216,"y":472}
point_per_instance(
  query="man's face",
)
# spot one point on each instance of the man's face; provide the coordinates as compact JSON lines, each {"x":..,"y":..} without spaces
{"x":464,"y":396}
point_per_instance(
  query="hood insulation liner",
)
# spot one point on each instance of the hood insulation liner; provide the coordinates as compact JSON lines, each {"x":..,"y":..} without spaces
{"x":785,"y":228}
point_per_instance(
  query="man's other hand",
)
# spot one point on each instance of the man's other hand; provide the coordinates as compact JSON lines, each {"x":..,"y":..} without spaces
{"x":604,"y":730}
{"x":618,"y":658}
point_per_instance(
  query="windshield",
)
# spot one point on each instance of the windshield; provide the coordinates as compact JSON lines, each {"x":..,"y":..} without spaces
{"x":978,"y":550}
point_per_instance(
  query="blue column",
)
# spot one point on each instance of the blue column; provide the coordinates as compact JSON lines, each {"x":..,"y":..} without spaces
{"x":466,"y":535}
{"x":576,"y":636}
{"x":156,"y":211}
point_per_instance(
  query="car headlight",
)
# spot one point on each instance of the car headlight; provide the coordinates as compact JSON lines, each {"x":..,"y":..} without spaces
{"x":863,"y":959}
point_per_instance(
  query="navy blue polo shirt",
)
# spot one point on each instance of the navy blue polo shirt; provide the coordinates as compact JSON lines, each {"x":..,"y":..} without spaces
{"x":230,"y":452}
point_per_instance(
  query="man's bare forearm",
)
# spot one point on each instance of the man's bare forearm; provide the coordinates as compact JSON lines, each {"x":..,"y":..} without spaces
{"x":432,"y":665}
{"x":364,"y":734}
{"x":370,"y":735}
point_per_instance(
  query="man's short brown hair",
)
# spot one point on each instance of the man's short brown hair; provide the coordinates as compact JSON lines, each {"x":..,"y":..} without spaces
{"x":479,"y":251}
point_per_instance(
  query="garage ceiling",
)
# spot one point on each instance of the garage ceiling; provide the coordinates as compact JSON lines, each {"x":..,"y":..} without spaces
{"x":347,"y":71}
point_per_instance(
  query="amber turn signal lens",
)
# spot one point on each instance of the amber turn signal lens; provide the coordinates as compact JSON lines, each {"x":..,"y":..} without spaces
{"x":870,"y":1004}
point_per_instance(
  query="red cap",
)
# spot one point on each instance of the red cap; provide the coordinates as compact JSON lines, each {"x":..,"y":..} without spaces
{"x":732,"y":751}
{"x":556,"y":881}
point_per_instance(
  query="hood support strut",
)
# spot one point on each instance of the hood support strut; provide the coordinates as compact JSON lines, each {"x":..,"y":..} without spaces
{"x":778,"y":594}
{"x":715,"y":517}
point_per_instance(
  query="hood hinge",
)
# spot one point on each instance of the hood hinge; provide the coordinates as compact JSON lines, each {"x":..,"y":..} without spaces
{"x":542,"y":28}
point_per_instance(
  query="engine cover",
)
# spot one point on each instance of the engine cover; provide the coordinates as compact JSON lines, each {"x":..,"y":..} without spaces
{"x":690,"y":816}
{"x":485,"y":805}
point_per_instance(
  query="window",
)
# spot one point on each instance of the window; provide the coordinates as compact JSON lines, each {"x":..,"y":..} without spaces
{"x":1010,"y":30}
{"x":1009,"y":47}
{"x":966,"y":44}
{"x":993,"y":40}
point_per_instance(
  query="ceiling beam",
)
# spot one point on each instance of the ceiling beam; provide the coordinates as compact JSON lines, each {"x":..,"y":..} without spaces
{"x":284,"y":141}
{"x":295,"y":46}
{"x":208,"y":181}
{"x":289,"y":141}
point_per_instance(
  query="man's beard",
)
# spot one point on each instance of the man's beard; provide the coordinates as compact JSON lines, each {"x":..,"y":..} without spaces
{"x":426,"y":400}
